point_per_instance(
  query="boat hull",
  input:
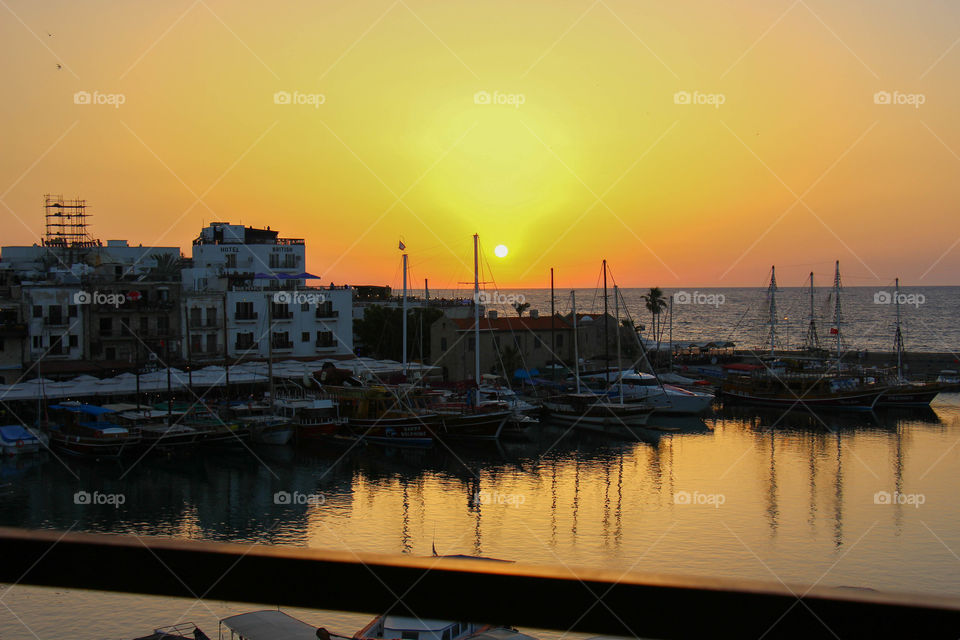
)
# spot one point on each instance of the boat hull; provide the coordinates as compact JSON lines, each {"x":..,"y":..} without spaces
{"x":863,"y":401}
{"x":474,"y":426}
{"x":408,"y":431}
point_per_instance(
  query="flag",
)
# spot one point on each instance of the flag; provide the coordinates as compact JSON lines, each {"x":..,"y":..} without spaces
{"x":402,"y":246}
{"x":834,"y":331}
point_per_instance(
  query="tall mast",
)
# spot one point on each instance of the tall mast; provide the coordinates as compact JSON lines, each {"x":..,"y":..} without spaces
{"x":616,"y":306}
{"x":606,"y":326}
{"x":553,"y":315}
{"x":576,"y":349}
{"x":813,"y":340}
{"x":836,"y":310}
{"x":426,"y":303}
{"x":772,"y":294}
{"x":270,"y":345}
{"x":669,"y":332}
{"x":476,"y":308}
{"x":898,"y":336}
{"x":404,"y":330}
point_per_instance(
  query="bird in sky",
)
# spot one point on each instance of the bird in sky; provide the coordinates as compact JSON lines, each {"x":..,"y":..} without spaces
{"x":59,"y":66}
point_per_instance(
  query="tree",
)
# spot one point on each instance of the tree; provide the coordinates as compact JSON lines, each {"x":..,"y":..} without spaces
{"x":655,"y":303}
{"x":520,"y":307}
{"x":167,"y":267}
{"x":380,"y":331}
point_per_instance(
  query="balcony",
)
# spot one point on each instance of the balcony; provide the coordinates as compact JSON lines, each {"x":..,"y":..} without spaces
{"x":246,"y":317}
{"x":56,"y":321}
{"x":283,"y":315}
{"x":326,"y":314}
{"x":203,"y":324}
{"x":282,"y":344}
{"x":246,"y":346}
{"x":287,"y":242}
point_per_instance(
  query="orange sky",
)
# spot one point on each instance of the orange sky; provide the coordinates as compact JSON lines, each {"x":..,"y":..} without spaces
{"x":598,"y":160}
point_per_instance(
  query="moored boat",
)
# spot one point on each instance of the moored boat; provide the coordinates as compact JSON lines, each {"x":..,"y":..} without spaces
{"x":81,"y":429}
{"x":16,"y":440}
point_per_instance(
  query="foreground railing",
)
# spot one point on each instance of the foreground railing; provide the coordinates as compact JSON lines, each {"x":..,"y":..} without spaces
{"x":583,"y":600}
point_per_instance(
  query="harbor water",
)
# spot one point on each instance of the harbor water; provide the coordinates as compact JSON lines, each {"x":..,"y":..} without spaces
{"x":864,"y":501}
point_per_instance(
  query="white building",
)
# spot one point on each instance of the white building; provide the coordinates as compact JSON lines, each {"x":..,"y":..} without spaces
{"x":241,"y":278}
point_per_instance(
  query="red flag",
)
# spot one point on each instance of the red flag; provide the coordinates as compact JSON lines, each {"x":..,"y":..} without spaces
{"x":834,"y":331}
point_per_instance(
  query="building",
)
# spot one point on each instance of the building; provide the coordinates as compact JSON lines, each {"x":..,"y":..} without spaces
{"x":506,"y":344}
{"x":240,"y":280}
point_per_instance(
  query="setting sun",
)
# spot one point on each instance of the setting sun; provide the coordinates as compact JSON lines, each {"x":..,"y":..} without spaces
{"x":500,"y":251}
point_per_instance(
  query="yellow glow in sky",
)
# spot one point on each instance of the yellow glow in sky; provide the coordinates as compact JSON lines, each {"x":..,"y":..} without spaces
{"x":689,"y":144}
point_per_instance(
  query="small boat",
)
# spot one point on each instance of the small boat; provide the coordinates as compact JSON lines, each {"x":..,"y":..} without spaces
{"x":83,"y":430}
{"x":666,"y":399}
{"x":16,"y":440}
{"x":269,"y":624}
{"x":313,"y":420}
{"x":461,"y":420}
{"x":265,"y":426}
{"x":804,"y":390}
{"x":383,"y":416}
{"x":597,"y":413}
{"x":394,"y":627}
{"x":155,"y":432}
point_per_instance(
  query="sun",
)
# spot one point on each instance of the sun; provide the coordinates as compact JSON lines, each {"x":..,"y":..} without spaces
{"x":500,"y":251}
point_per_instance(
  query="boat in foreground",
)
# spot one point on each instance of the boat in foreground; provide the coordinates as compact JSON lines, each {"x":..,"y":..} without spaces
{"x":16,"y":440}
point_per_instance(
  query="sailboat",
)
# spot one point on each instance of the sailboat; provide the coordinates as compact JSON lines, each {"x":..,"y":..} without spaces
{"x":776,"y":385}
{"x":904,"y":393}
{"x":590,"y":411}
{"x":474,"y":419}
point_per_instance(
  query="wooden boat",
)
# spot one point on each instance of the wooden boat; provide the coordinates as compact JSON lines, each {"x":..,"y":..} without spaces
{"x":808,"y":389}
{"x":597,"y":413}
{"x":383,"y":416}
{"x":270,"y":624}
{"x":155,"y":432}
{"x":481,"y":422}
{"x":313,"y":420}
{"x":265,"y":425}
{"x":80,"y":429}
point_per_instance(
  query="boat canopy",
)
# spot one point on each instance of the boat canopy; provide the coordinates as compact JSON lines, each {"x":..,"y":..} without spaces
{"x":269,"y":625}
{"x":89,"y":409}
{"x":11,"y":434}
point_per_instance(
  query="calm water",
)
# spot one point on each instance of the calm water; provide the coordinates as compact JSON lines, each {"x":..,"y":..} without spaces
{"x":727,"y":496}
{"x":741,"y":315}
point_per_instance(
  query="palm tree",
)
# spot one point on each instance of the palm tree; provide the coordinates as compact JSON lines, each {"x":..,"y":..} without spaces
{"x":520,"y":307}
{"x":655,"y":303}
{"x":167,"y":266}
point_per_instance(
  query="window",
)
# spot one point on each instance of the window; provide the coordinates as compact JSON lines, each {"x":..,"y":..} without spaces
{"x":163,"y":324}
{"x":110,"y":353}
{"x":37,"y":311}
{"x":560,"y":340}
{"x":443,"y":344}
{"x":231,"y":261}
{"x":195,"y":317}
{"x":211,"y":316}
{"x":244,"y":311}
{"x":106,"y":326}
{"x":211,"y":343}
{"x":245,"y":340}
{"x":305,"y":336}
{"x":144,"y":325}
{"x":74,"y":341}
{"x":325,"y":339}
{"x":195,"y":343}
{"x":37,"y":342}
{"x":305,"y":306}
{"x":71,"y":310}
{"x":409,"y":635}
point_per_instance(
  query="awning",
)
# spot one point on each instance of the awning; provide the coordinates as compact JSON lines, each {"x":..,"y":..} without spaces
{"x":285,"y":276}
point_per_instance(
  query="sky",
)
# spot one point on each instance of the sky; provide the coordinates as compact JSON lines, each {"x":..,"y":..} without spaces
{"x":694,"y":143}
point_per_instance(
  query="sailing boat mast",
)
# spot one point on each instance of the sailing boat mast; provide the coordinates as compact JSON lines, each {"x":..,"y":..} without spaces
{"x":476,"y":309}
{"x":813,"y":340}
{"x":606,"y":326}
{"x":772,"y":294}
{"x":576,"y":351}
{"x":616,"y":306}
{"x":553,"y":321}
{"x":270,"y":346}
{"x":404,"y":329}
{"x":898,"y":336}
{"x":836,"y":311}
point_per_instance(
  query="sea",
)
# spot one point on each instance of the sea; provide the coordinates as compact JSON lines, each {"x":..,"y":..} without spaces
{"x":864,"y":501}
{"x":928,"y":315}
